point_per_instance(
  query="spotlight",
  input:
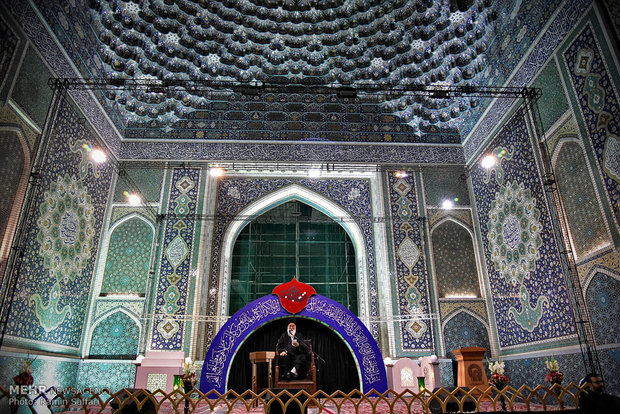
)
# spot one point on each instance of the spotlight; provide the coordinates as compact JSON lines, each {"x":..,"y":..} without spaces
{"x":488,"y":162}
{"x":98,"y":156}
{"x":447,"y":204}
{"x":133,"y":199}
{"x":216,"y":172}
{"x":401,"y":174}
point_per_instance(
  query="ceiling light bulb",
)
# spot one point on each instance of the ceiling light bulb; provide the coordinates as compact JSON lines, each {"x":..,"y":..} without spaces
{"x":488,"y":162}
{"x":216,"y":172}
{"x":98,"y":156}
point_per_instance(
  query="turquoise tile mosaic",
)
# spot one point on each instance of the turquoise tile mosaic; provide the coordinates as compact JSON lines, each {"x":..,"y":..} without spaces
{"x":603,"y":299}
{"x":148,"y":180}
{"x":588,"y":228}
{"x":128,"y":259}
{"x":553,"y":102}
{"x":116,"y":336}
{"x":33,"y":77}
{"x":46,"y":371}
{"x":102,"y":375}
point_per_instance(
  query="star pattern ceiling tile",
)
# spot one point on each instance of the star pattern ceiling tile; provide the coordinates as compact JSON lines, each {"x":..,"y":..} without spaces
{"x":394,"y":44}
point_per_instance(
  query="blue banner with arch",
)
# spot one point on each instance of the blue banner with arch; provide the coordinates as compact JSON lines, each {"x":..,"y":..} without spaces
{"x":349,"y":327}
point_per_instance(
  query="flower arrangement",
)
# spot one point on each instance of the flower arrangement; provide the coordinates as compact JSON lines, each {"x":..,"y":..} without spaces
{"x":498,"y":378}
{"x":25,"y":373}
{"x":189,"y":371}
{"x":554,"y":376}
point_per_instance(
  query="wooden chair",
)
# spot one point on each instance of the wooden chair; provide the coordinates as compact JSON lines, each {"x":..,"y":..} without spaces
{"x":308,"y":383}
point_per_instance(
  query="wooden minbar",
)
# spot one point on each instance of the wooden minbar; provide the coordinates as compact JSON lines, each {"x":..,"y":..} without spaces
{"x":471,"y":371}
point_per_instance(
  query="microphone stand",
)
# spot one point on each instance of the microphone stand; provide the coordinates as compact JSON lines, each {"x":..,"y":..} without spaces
{"x":318,"y":370}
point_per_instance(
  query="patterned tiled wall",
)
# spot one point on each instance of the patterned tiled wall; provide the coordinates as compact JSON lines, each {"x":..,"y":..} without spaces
{"x":588,"y":230}
{"x":446,"y":375}
{"x":63,"y":233}
{"x":455,"y":260}
{"x":603,"y":299}
{"x":33,"y":76}
{"x":415,"y":334}
{"x":128,"y":259}
{"x":115,"y":336}
{"x":11,"y":169}
{"x":527,"y":289}
{"x":465,"y":330}
{"x":591,"y":82}
{"x":532,"y":371}
{"x":64,"y":372}
{"x":233,"y":195}
{"x":110,"y":375}
{"x":553,"y":101}
{"x":147,"y":180}
{"x":446,"y":183}
{"x":173,"y":294}
{"x":8,"y":51}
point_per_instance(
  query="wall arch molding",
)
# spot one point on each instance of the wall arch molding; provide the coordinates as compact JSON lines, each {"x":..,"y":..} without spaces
{"x":315,"y":200}
{"x":460,"y":310}
{"x":592,"y":273}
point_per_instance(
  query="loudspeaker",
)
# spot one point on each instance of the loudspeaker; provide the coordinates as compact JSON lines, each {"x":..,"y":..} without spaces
{"x":279,"y":402}
{"x":451,"y":406}
{"x":130,"y":406}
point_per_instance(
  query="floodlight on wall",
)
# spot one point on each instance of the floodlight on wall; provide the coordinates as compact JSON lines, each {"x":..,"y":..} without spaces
{"x":488,"y":161}
{"x":217,"y":172}
{"x":98,"y":156}
{"x":132,"y":198}
{"x":95,"y":154}
{"x":401,"y":174}
{"x":448,"y":204}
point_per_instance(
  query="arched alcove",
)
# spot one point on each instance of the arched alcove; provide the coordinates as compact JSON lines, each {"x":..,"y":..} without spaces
{"x":455,"y":260}
{"x":463,"y":329}
{"x":128,"y":257}
{"x":588,"y":228}
{"x":315,"y":200}
{"x":602,"y":293}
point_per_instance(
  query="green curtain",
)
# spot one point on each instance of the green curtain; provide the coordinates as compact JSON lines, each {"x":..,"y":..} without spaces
{"x":293,"y":239}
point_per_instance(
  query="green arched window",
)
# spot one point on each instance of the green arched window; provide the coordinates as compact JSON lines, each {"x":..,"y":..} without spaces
{"x":293,"y":239}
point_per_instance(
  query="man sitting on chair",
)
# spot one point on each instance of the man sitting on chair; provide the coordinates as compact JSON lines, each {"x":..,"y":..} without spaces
{"x":293,"y":353}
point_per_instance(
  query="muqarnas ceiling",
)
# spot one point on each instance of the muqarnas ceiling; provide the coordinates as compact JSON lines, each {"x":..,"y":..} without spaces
{"x":391,"y":45}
